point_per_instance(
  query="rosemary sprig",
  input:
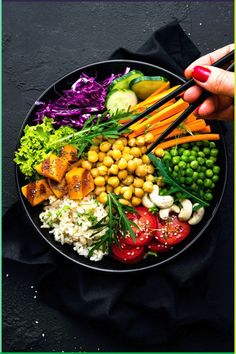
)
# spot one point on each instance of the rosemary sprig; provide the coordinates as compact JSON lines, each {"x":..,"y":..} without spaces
{"x":117,"y":223}
{"x":160,"y":165}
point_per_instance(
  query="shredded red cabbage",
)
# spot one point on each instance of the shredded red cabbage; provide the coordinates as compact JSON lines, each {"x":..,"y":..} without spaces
{"x":86,"y":97}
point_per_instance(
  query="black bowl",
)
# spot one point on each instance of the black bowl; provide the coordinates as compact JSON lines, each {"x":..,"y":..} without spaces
{"x":107,"y":264}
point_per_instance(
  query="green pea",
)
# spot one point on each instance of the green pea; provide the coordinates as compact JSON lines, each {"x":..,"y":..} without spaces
{"x":209,"y":173}
{"x":208,"y":197}
{"x":196,"y":148}
{"x":192,"y":158}
{"x":182,"y":164}
{"x":206,"y":151}
{"x":213,"y":185}
{"x":205,"y":143}
{"x":203,"y":169}
{"x":201,"y":192}
{"x":186,"y":152}
{"x":182,"y":179}
{"x":182,"y":173}
{"x":195,"y":175}
{"x":194,"y":187}
{"x":181,"y":150}
{"x":207,"y":183}
{"x":193,"y":153}
{"x":215,"y":178}
{"x":174,"y":152}
{"x":189,"y":172}
{"x":199,"y":182}
{"x":201,"y":175}
{"x":200,"y":160}
{"x":209,"y":163}
{"x":176,"y":160}
{"x":167,"y":157}
{"x":214,"y":152}
{"x":212,"y":144}
{"x":194,"y":164}
{"x":201,"y":154}
{"x":199,"y":144}
{"x":174,"y":174}
{"x":185,"y":146}
{"x":184,"y":158}
{"x":176,"y":168}
{"x":214,"y":159}
{"x":216,"y":170}
{"x":188,"y":180}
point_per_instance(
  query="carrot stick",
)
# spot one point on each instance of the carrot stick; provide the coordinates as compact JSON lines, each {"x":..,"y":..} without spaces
{"x":195,"y":127}
{"x":188,"y":139}
{"x":164,"y":87}
{"x":163,"y":114}
{"x":207,"y":129}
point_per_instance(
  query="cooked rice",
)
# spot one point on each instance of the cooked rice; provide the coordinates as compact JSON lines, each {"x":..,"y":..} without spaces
{"x":70,"y":222}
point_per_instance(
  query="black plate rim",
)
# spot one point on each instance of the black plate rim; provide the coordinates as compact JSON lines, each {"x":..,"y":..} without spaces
{"x":93,"y":264}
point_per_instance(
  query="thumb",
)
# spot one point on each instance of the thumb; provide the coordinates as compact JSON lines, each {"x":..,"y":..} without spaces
{"x":214,"y":80}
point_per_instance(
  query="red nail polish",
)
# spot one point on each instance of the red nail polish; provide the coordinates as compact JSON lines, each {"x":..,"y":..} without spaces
{"x":200,"y":73}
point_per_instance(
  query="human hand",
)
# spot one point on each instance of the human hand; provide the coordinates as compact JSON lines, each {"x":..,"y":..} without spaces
{"x":217,"y":81}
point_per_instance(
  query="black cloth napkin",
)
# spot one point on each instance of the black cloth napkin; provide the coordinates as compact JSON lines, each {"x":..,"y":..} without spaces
{"x":167,"y":305}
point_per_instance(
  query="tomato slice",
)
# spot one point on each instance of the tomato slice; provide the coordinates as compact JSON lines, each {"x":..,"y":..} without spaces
{"x":126,"y":253}
{"x":147,"y":225}
{"x":158,"y":247}
{"x":172,"y":231}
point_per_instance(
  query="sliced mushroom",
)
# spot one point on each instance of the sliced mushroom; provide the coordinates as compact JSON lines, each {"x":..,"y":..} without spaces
{"x":197,"y":215}
{"x":161,"y":201}
{"x":147,"y":202}
{"x":186,"y":210}
{"x":164,"y":213}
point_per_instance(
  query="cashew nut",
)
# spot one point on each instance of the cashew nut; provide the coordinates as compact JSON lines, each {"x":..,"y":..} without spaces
{"x":164,"y":213}
{"x":186,"y":210}
{"x":147,"y":202}
{"x":160,"y":201}
{"x":197,"y":215}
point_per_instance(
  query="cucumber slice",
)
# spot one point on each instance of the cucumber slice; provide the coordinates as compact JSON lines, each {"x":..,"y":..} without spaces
{"x":120,"y":101}
{"x":122,"y":83}
{"x":144,"y":86}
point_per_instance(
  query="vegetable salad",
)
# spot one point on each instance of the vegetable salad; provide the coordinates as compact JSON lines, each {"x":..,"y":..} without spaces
{"x":139,"y":204}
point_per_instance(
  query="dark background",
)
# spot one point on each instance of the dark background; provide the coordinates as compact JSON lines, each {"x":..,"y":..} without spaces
{"x":43,"y":41}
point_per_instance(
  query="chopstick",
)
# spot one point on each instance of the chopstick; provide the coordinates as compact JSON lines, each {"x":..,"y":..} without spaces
{"x":183,"y":116}
{"x":219,"y":63}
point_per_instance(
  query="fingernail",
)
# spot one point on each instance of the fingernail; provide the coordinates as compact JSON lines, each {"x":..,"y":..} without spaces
{"x":200,"y":73}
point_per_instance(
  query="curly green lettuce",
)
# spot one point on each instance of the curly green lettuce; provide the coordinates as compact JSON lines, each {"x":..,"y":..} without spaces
{"x":35,"y":145}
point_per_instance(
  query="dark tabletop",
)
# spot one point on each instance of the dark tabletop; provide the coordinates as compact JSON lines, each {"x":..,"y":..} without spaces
{"x":43,"y":41}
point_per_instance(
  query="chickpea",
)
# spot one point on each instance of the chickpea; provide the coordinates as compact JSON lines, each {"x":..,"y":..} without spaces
{"x":124,"y":141}
{"x":102,"y":170}
{"x":94,"y":172}
{"x":150,"y":178}
{"x":135,"y":151}
{"x":113,"y":181}
{"x":99,"y":181}
{"x":99,"y":190}
{"x":99,"y":164}
{"x":117,"y":190}
{"x":116,"y":154}
{"x":136,"y":201}
{"x":148,"y":186}
{"x":132,"y":142}
{"x":123,"y":189}
{"x":118,"y":145}
{"x":143,"y":149}
{"x":128,"y":180}
{"x":127,"y":157}
{"x":140,"y":141}
{"x":102,"y":198}
{"x":113,"y":170}
{"x":138,"y":161}
{"x":124,"y":202}
{"x":109,"y":188}
{"x":86,"y":164}
{"x":97,"y":140}
{"x":108,"y":161}
{"x":92,"y":156}
{"x":106,"y":178}
{"x":105,"y":146}
{"x":127,"y":194}
{"x":126,"y":150}
{"x":138,"y":192}
{"x":149,"y":138}
{"x":150,"y":169}
{"x":122,"y":174}
{"x":159,"y":152}
{"x":109,"y":153}
{"x":138,"y":182}
{"x":132,"y":165}
{"x":122,"y":164}
{"x":141,"y":171}
{"x":146,"y":159}
{"x":94,"y":148}
{"x":101,"y":156}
